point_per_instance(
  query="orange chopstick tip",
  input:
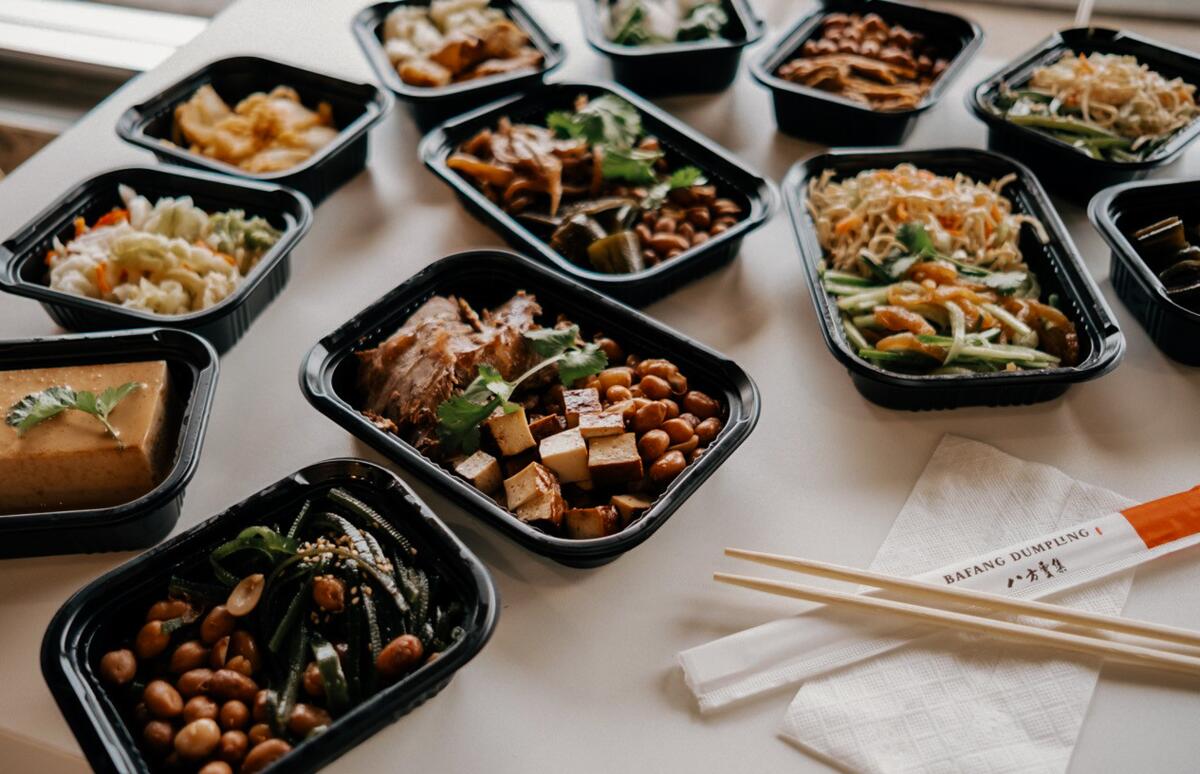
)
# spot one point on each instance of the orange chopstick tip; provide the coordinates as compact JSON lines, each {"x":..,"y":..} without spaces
{"x":1166,"y":519}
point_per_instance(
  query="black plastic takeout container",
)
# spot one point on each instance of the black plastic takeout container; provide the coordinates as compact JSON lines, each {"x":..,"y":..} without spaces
{"x":822,"y":115}
{"x":432,"y":105}
{"x":487,"y":278}
{"x":105,"y":612}
{"x":1065,"y":170}
{"x":1119,"y":211}
{"x":356,"y":108}
{"x":192,"y":365}
{"x":23,"y":269}
{"x":676,"y":68}
{"x":683,"y":145}
{"x":1058,"y":267}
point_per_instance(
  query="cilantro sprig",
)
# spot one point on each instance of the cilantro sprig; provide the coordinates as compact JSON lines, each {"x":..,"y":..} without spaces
{"x":460,"y":416}
{"x":37,"y":407}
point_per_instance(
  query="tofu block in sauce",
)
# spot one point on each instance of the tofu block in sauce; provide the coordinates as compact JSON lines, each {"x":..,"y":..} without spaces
{"x":545,"y":511}
{"x":511,"y":431}
{"x":544,"y":427}
{"x":604,"y":423}
{"x":614,"y":459}
{"x":482,"y":470}
{"x":576,"y":402}
{"x":532,"y":481}
{"x":630,"y":507}
{"x":566,"y":454}
{"x":70,"y":461}
{"x":584,"y":523}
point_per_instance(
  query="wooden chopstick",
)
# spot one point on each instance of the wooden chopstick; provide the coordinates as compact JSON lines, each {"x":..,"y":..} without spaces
{"x":996,"y":602}
{"x":1134,"y":654}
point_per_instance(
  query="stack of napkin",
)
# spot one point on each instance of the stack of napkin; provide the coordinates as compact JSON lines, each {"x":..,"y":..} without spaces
{"x":880,"y":695}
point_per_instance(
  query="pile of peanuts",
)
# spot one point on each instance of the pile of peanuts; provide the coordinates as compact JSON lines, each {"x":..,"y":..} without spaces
{"x":204,"y":706}
{"x":673,"y":423}
{"x":689,"y":218}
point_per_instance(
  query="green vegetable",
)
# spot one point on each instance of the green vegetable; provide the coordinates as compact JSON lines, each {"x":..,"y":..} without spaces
{"x":459,"y":417}
{"x":332,"y":678}
{"x":916,"y":240}
{"x":38,"y":407}
{"x":684,"y":177}
{"x":633,"y":165}
{"x":704,"y":21}
{"x":605,"y":120}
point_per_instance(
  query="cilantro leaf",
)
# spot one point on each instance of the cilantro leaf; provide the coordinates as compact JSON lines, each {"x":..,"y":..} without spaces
{"x":607,"y":120}
{"x":36,"y":408}
{"x":549,"y":342}
{"x":578,"y":363}
{"x":684,"y":177}
{"x":633,"y":165}
{"x":459,"y":420}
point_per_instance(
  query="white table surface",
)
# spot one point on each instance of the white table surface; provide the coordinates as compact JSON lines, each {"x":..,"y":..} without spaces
{"x":580,"y":675}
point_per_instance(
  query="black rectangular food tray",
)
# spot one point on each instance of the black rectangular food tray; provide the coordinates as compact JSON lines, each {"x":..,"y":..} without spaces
{"x":105,"y":612}
{"x":677,"y":68}
{"x":192,"y":365}
{"x":1119,"y":211}
{"x":1065,"y":170}
{"x":802,"y":111}
{"x":430,"y":106}
{"x":487,"y":278}
{"x":22,"y":257}
{"x":356,"y":108}
{"x":753,"y":192}
{"x":1057,"y":264}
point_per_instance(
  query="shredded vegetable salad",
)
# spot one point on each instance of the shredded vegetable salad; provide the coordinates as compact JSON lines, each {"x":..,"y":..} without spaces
{"x":1105,"y":105}
{"x":858,"y":219}
{"x":167,"y":258}
{"x":928,"y":274}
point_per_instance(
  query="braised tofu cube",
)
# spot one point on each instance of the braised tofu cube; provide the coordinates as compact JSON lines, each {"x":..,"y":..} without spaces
{"x":514,"y":465}
{"x":566,"y":453}
{"x":533,"y":481}
{"x":482,"y":470}
{"x":576,"y":402}
{"x":605,"y":423}
{"x":545,"y":510}
{"x":583,"y":523}
{"x":630,"y":507}
{"x":544,"y":427}
{"x":511,"y":432}
{"x":614,"y":459}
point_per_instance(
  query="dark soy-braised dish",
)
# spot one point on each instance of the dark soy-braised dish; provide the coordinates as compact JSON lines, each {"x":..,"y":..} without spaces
{"x":599,"y":190}
{"x":928,"y":274}
{"x":276,"y":634}
{"x":1173,"y":254}
{"x":576,"y":438}
{"x":1107,"y":106}
{"x":451,"y":41}
{"x":865,"y":59}
{"x":654,"y":22}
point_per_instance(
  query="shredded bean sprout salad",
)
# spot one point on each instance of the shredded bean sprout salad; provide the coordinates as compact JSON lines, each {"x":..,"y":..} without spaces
{"x":1105,"y":105}
{"x":858,"y":219}
{"x":929,"y":277}
{"x":167,"y":258}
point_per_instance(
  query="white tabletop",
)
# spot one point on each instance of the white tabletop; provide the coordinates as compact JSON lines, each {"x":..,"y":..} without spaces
{"x":580,"y":675}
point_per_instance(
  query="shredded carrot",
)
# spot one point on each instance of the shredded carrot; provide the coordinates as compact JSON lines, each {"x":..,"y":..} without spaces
{"x":50,"y":256}
{"x":102,"y":278}
{"x":846,"y":224}
{"x":80,"y":227}
{"x":901,"y":211}
{"x":112,"y":217}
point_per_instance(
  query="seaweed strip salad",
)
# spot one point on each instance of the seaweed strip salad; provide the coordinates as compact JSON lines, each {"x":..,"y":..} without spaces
{"x":284,"y":629}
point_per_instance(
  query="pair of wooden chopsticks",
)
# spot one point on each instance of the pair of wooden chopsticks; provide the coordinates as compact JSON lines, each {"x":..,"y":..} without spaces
{"x":1094,"y":644}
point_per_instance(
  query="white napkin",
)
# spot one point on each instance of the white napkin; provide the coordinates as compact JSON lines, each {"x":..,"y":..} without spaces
{"x":949,"y":702}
